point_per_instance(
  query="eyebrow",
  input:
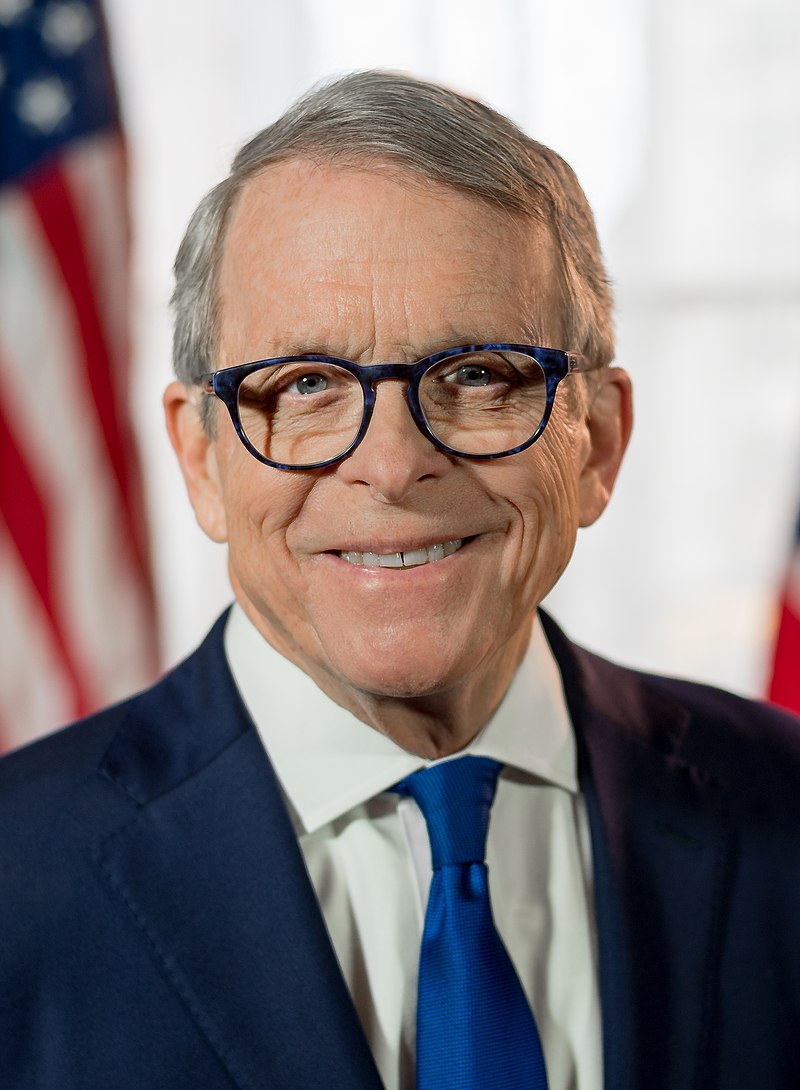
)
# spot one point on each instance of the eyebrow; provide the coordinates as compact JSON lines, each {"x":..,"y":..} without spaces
{"x":315,"y":345}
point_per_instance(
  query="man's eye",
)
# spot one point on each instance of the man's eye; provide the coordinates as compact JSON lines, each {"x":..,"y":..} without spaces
{"x":311,"y":384}
{"x":472,"y":374}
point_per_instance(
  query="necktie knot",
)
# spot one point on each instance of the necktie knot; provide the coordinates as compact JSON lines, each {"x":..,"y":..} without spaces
{"x":455,"y":798}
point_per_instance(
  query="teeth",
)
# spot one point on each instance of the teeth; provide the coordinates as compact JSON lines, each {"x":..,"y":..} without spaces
{"x":411,"y":558}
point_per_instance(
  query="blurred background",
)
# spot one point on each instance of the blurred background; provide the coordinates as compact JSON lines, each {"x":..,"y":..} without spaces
{"x":682,"y":121}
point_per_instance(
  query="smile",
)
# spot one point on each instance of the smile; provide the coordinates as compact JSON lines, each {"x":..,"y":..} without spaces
{"x":409,"y":558}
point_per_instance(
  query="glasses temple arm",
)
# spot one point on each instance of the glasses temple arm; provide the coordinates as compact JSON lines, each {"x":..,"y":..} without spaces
{"x":577,"y":362}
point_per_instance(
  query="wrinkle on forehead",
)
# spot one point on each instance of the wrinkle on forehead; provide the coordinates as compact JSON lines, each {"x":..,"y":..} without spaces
{"x":375,"y":263}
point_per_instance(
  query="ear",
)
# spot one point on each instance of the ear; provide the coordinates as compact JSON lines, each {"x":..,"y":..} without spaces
{"x":197,"y":457}
{"x":609,"y":419}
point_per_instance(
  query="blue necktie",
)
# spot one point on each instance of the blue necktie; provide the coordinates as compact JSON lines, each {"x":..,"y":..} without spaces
{"x":475,"y":1030}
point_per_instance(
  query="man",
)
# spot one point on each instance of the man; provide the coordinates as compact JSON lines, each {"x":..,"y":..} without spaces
{"x":395,"y":405}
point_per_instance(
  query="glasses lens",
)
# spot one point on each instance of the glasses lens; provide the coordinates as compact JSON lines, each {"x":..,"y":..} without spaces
{"x":300,"y":412}
{"x":484,"y":402}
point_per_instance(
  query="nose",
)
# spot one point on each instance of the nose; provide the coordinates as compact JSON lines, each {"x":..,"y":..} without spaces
{"x":394,"y":456}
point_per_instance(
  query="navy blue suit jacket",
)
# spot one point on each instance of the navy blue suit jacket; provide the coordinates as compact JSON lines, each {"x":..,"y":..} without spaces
{"x":158,"y":928}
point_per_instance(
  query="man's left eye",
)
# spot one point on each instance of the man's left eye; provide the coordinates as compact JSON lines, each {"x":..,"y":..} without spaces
{"x":471,"y":374}
{"x":311,"y":384}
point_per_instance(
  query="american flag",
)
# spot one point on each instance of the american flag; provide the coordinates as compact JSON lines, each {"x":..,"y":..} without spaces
{"x":76,"y":602}
{"x":784,"y":686}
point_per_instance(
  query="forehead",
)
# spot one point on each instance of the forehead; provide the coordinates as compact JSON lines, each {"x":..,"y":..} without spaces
{"x":350,"y":260}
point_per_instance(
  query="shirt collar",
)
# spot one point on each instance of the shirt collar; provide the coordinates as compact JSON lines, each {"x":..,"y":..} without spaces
{"x":328,"y":761}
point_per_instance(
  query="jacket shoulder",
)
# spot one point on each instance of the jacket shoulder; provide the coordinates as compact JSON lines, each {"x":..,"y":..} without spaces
{"x":51,"y":772}
{"x":743,"y":743}
{"x":751,"y":746}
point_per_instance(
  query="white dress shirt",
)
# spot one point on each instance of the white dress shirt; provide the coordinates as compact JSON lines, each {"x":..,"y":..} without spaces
{"x":368,"y":855}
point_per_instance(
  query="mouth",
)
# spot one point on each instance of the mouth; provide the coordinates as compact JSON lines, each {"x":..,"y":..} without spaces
{"x":405,"y":558}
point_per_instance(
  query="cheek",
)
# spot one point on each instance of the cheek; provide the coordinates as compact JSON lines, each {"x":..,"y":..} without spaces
{"x":559,"y":503}
{"x":561,"y":453}
{"x":262,"y":506}
{"x":543,"y":496}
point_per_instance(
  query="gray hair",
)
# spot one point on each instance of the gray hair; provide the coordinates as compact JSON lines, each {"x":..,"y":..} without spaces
{"x":433,"y":132}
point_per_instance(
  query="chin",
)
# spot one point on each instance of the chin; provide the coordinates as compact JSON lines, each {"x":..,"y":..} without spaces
{"x":396,"y":673}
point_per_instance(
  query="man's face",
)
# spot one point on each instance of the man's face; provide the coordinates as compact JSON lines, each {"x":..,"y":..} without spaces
{"x":371,"y":265}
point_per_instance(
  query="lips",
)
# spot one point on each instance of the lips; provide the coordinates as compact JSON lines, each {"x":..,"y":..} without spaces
{"x":406,"y":558}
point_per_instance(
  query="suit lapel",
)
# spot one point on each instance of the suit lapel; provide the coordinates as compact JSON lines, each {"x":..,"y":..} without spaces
{"x":211,"y":874}
{"x":662,"y":857}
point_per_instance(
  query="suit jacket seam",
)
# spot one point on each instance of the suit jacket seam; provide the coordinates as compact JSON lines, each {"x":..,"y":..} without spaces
{"x":142,"y":800}
{"x":721,"y":896}
{"x":170,"y":967}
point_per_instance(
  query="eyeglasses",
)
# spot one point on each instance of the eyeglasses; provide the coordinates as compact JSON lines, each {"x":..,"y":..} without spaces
{"x":478,"y":401}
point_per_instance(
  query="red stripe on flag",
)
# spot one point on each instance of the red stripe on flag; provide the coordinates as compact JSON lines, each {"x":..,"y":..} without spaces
{"x":784,"y":686}
{"x":53,"y":205}
{"x":29,"y":528}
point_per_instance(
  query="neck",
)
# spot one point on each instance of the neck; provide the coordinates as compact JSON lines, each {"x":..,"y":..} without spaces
{"x":434,"y":725}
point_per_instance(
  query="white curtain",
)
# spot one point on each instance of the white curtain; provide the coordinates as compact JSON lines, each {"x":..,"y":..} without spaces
{"x":683,"y":123}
